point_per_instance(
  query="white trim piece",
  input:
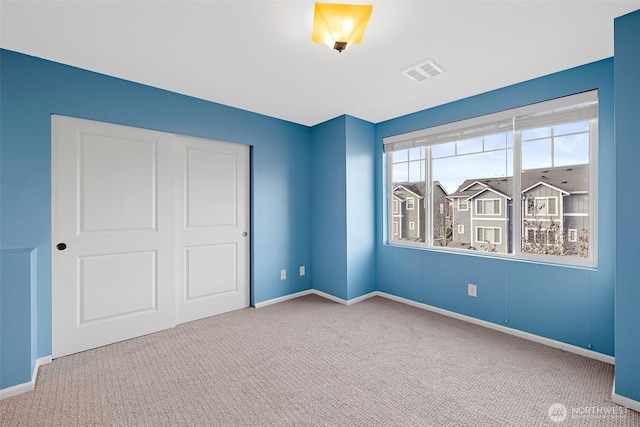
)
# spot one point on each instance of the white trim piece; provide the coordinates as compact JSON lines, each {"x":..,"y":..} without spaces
{"x":483,"y":201}
{"x":624,"y":401}
{"x":361,"y":297}
{"x":318,"y":293}
{"x":493,"y":191}
{"x":521,"y":334}
{"x":342,"y":301}
{"x":16,"y":390}
{"x":484,"y":227}
{"x":472,"y":184}
{"x":283,"y":299}
{"x":329,"y":297}
{"x":566,"y":193}
{"x":413,"y":203}
{"x":28,"y":386}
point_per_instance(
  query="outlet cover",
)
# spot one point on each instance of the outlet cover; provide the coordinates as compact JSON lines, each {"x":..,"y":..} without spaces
{"x":283,"y":274}
{"x":472,"y":290}
{"x":302,"y":270}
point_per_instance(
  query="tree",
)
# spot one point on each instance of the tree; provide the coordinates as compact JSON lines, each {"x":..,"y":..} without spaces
{"x":544,"y":234}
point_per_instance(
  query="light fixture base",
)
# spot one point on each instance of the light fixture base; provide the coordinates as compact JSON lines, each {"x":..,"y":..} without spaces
{"x":340,"y":46}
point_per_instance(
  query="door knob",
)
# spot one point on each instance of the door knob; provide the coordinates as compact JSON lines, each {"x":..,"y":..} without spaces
{"x":61,"y":246}
{"x":244,"y":234}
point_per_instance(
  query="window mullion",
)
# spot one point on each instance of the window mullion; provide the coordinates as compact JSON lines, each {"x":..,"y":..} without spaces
{"x":428,"y":198}
{"x":517,"y":220}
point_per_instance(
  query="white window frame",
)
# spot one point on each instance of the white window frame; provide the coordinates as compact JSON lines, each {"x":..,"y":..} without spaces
{"x":460,"y":228}
{"x":413,"y":203}
{"x":395,"y":207}
{"x":466,"y":205}
{"x":492,"y":201}
{"x":488,"y":228}
{"x":587,"y":107}
{"x":412,"y":225}
{"x":547,"y":198}
{"x":572,"y":235}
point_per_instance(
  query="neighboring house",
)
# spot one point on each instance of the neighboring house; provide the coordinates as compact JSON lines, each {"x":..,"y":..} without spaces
{"x":409,"y":221}
{"x":408,"y":212}
{"x":442,"y":232}
{"x":482,"y":215}
{"x":554,"y":205}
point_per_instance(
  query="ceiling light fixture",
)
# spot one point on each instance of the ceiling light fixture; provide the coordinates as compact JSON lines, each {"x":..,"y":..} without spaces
{"x":340,"y":25}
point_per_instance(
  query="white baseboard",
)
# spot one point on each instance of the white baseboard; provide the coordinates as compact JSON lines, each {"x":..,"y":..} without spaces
{"x":25,"y":387}
{"x":315,"y":292}
{"x":624,"y":401}
{"x":343,"y":301}
{"x":282,"y":299}
{"x":531,"y":337}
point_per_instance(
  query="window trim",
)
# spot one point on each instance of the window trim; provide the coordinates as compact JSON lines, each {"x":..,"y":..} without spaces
{"x":484,"y":241}
{"x":489,"y":200}
{"x":466,"y":209}
{"x":528,"y":214}
{"x":572,"y":235}
{"x":413,"y":203}
{"x":460,"y":228}
{"x":584,"y":107}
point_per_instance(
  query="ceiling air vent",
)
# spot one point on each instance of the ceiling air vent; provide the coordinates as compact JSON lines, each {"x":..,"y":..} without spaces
{"x":423,"y":71}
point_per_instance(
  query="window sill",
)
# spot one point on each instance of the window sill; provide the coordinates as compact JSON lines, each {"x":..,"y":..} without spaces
{"x":585,"y":264}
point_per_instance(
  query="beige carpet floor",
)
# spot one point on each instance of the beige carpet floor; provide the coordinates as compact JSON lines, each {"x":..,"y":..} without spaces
{"x":312,"y":362}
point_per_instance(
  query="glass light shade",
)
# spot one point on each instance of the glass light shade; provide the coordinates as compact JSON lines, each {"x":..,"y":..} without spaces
{"x":340,"y":25}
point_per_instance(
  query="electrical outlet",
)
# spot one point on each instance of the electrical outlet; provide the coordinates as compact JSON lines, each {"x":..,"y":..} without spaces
{"x":283,"y":274}
{"x":472,"y":290}
{"x":302,"y":272}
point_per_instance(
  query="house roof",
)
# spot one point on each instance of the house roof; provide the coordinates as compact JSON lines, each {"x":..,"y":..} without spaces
{"x":569,"y":179}
{"x":417,"y":189}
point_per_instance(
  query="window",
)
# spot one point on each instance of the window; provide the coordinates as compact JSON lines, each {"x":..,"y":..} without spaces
{"x":489,"y":235}
{"x":573,"y":235}
{"x":395,"y":206}
{"x":488,"y":207}
{"x":528,"y":172}
{"x":412,"y":225}
{"x":410,"y":203}
{"x":395,"y":228}
{"x":542,"y":206}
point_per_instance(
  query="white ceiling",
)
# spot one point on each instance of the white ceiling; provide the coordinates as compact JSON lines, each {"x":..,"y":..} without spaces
{"x":258,"y":55}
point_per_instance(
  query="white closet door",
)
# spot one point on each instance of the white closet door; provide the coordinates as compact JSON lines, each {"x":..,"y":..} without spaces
{"x":113,"y":226}
{"x":212,"y":241}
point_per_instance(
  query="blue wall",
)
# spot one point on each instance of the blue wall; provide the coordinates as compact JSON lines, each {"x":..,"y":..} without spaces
{"x":328,"y":207}
{"x":627,"y":104}
{"x":343,"y":207}
{"x":17,"y":316}
{"x":313,"y":190}
{"x":569,"y":304}
{"x":360,"y":182}
{"x":33,"y":89}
